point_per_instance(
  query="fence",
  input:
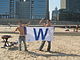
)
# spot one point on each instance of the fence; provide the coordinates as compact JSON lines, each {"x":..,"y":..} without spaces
{"x":35,"y":22}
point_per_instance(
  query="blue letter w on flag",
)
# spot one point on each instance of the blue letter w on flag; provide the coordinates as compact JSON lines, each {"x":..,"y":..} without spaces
{"x":37,"y":34}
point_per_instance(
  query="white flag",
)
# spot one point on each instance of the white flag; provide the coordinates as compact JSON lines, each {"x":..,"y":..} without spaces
{"x":39,"y":33}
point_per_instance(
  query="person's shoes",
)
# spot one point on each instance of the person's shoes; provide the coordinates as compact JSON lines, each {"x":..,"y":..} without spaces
{"x":26,"y":50}
{"x":48,"y":51}
{"x":3,"y":47}
{"x":40,"y":50}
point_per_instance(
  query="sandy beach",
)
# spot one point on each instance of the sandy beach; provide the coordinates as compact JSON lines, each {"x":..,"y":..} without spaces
{"x":63,"y":48}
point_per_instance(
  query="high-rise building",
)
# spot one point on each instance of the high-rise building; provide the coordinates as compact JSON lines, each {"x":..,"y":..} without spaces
{"x":70,"y":10}
{"x":12,"y":9}
{"x":70,"y":5}
{"x":63,"y":4}
{"x":23,"y":9}
{"x":32,"y":9}
{"x":55,"y":14}
{"x":6,"y":8}
{"x":40,"y":9}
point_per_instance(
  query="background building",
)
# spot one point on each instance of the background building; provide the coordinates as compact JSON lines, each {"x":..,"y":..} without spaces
{"x":12,"y":8}
{"x":40,"y":9}
{"x":70,"y":5}
{"x":65,"y":15}
{"x":32,"y":9}
{"x":55,"y":14}
{"x":6,"y":8}
{"x":70,"y":10}
{"x":23,"y":9}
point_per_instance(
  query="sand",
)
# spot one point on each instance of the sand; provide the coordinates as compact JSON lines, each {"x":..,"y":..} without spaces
{"x":63,"y":48}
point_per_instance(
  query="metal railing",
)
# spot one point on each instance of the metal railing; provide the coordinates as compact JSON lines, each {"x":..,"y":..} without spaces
{"x":36,"y":22}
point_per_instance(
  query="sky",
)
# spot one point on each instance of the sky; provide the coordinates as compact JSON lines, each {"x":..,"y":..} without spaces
{"x":52,"y":5}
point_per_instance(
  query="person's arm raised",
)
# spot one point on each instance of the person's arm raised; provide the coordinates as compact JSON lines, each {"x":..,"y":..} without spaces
{"x":40,"y":22}
{"x":28,"y":23}
{"x":16,"y":29}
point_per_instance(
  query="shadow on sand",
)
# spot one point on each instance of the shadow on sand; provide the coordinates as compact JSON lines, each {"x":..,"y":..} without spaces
{"x":51,"y":54}
{"x":13,"y":48}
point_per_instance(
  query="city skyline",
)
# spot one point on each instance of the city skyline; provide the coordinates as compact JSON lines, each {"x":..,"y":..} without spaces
{"x":26,"y":9}
{"x":52,"y":5}
{"x":32,"y":9}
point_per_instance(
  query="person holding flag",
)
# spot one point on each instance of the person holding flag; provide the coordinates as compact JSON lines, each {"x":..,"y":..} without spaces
{"x":22,"y":33}
{"x":46,"y":23}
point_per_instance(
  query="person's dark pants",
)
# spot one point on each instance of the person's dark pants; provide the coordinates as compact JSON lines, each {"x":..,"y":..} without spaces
{"x":49,"y":45}
{"x":22,"y":38}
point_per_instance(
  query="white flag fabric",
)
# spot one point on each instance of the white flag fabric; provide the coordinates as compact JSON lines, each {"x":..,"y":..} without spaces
{"x":39,"y":33}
